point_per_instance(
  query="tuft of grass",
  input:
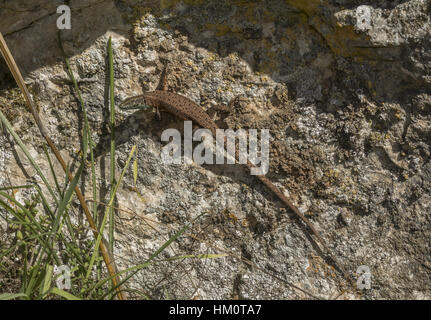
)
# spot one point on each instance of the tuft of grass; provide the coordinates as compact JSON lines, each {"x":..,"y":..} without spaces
{"x":44,"y":231}
{"x":39,"y":242}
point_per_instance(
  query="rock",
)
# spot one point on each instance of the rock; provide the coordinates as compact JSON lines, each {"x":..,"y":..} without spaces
{"x":343,"y":87}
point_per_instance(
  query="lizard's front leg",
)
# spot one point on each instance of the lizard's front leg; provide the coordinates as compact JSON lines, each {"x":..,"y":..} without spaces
{"x":221,"y":107}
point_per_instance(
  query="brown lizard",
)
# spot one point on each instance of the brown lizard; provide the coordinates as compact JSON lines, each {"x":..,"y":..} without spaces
{"x":186,"y":109}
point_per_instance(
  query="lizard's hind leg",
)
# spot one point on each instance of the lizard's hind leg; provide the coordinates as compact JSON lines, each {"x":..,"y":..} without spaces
{"x":163,"y":83}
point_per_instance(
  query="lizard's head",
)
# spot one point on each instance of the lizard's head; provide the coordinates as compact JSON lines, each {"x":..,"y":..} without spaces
{"x":133,"y":107}
{"x":134,"y":103}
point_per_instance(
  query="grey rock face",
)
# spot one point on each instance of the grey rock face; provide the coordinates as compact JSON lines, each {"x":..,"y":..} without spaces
{"x":344,"y":88}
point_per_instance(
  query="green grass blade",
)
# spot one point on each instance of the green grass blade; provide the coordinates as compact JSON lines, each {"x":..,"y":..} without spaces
{"x":87,"y":129}
{"x":112,"y":142}
{"x":27,"y":186}
{"x":51,"y":167}
{"x":149,"y":261}
{"x":17,"y":139}
{"x":33,"y":224}
{"x":88,"y":134}
{"x":11,"y":296}
{"x":40,"y":193}
{"x":33,"y":281}
{"x":64,"y":294}
{"x":85,"y":136}
{"x":67,"y":197}
{"x":102,"y":227}
{"x":47,"y":280}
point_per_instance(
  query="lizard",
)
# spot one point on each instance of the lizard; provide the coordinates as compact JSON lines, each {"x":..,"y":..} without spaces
{"x":184,"y":108}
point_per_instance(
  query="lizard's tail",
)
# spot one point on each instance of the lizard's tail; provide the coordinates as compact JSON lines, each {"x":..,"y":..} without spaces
{"x":301,"y":216}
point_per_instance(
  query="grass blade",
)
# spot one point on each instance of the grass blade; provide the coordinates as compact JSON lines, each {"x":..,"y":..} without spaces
{"x":18,"y":140}
{"x":102,"y":227}
{"x":64,"y":294}
{"x":112,"y":142}
{"x":103,"y":249}
{"x":11,"y":296}
{"x":149,"y":261}
{"x":47,"y":280}
{"x":67,"y":197}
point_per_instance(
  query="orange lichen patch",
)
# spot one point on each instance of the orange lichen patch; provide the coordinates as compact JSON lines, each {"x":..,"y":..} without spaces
{"x":318,"y":266}
{"x":245,"y":223}
{"x":399,"y":114}
{"x":230,"y":216}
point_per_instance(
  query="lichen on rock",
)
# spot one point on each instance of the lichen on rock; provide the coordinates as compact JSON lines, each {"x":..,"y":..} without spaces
{"x":343,"y":87}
